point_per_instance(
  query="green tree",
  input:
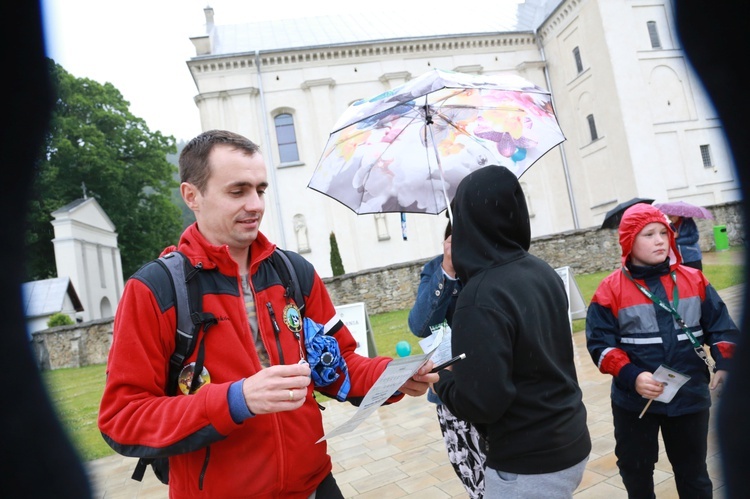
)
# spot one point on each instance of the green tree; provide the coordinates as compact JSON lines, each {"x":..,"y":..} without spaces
{"x":337,"y":266}
{"x":94,"y":140}
{"x":188,"y":217}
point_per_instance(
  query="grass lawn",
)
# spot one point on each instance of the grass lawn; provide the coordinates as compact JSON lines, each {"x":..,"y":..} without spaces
{"x":77,"y":391}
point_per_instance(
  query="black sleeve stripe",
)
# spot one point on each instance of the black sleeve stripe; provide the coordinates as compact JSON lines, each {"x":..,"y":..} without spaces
{"x":335,"y":329}
{"x":198,"y":440}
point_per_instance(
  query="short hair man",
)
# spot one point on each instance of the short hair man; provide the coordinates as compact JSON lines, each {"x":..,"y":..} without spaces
{"x":250,"y":430}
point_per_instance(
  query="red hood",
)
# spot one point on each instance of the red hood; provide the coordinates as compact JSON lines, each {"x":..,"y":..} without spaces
{"x":634,"y":220}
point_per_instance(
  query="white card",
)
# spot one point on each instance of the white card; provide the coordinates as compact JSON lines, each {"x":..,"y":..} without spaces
{"x":672,"y":381}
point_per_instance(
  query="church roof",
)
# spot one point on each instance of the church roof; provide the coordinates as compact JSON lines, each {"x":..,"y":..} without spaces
{"x":375,"y":26}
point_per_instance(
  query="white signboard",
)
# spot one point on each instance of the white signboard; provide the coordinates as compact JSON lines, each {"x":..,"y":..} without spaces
{"x":354,"y":316}
{"x":576,"y":304}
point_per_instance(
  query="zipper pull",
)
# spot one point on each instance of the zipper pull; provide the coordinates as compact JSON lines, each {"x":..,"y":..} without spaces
{"x":275,"y":324}
{"x":197,"y":268}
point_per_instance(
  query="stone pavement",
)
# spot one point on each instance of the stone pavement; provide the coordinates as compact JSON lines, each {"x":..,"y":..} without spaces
{"x":398,"y":451}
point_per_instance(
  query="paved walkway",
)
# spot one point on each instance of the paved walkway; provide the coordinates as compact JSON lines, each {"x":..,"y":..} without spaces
{"x":398,"y":451}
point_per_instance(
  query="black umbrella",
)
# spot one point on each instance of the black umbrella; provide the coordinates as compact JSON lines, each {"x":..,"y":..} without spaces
{"x":613,"y":216}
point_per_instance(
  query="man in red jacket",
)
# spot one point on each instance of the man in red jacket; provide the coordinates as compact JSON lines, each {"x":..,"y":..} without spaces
{"x":251,"y":429}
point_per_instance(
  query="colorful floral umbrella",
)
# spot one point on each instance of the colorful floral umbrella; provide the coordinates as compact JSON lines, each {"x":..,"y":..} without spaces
{"x":406,"y":150}
{"x":683,"y":209}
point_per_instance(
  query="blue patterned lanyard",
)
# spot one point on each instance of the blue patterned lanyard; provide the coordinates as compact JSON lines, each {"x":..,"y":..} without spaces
{"x":673,"y":310}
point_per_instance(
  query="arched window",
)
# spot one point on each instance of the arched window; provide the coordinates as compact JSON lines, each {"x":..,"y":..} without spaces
{"x":300,"y":231}
{"x":287,"y":138}
{"x":527,"y":194}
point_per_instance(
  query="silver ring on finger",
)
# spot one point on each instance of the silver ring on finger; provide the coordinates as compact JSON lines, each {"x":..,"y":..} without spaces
{"x":291,"y":395}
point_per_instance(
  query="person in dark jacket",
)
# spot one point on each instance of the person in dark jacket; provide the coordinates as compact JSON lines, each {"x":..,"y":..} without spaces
{"x":687,"y":238}
{"x":653,"y":312}
{"x":518,"y":384}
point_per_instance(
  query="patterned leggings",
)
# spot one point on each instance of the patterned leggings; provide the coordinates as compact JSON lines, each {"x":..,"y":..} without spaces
{"x":465,"y":451}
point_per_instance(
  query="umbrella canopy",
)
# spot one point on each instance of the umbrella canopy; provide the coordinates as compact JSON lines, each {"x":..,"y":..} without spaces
{"x":683,"y":209}
{"x":406,"y":150}
{"x":613,"y":216}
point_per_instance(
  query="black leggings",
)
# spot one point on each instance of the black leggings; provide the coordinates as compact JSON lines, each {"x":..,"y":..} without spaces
{"x":637,"y":450}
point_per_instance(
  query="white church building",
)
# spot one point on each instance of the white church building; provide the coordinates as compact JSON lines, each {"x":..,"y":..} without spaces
{"x":636,"y":119}
{"x":89,"y":279}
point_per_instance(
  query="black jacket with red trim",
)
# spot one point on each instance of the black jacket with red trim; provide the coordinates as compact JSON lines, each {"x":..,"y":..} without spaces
{"x":627,"y":333}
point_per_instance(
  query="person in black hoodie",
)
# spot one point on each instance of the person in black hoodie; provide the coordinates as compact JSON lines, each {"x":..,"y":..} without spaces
{"x":518,"y":384}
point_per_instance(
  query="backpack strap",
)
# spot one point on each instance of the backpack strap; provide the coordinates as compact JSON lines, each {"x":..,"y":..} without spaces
{"x":288,"y":275}
{"x":188,"y":302}
{"x":176,"y":266}
{"x":190,"y":316}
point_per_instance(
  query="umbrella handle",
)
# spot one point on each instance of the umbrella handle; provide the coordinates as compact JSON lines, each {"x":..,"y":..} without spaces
{"x":440,"y":169}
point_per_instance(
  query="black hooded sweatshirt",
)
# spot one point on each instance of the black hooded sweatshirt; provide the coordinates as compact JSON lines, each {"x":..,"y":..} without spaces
{"x":518,"y":384}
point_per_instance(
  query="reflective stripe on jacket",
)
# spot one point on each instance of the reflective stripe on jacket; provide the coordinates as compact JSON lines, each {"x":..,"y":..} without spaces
{"x":624,"y":327}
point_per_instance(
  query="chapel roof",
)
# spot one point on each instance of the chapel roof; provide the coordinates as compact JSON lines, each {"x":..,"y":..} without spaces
{"x":47,"y":296}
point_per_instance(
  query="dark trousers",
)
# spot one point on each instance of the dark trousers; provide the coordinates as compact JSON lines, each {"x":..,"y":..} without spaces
{"x":637,"y":449}
{"x":328,"y":489}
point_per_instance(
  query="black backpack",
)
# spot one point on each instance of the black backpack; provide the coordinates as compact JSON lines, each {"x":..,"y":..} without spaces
{"x":190,"y":319}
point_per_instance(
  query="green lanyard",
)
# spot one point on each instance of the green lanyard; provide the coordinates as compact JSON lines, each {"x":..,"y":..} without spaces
{"x":673,"y":310}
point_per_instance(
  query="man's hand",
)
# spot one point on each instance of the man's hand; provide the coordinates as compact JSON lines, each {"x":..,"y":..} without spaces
{"x":277,"y":388}
{"x":418,"y":384}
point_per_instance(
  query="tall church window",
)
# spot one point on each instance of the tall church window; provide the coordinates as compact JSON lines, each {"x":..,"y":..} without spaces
{"x":287,"y":138}
{"x":579,"y":62}
{"x":592,"y":127}
{"x":653,"y":34}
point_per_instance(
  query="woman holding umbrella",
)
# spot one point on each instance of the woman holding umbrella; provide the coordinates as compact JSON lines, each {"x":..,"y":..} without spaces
{"x":681,"y":214}
{"x":686,"y":237}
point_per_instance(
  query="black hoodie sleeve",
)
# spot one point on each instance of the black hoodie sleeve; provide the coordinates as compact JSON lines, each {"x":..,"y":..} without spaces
{"x":486,"y":337}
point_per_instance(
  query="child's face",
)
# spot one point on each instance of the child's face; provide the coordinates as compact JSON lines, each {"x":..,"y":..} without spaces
{"x":651,"y":245}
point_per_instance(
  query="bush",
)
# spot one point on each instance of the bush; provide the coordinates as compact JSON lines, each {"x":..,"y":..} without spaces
{"x":60,"y":319}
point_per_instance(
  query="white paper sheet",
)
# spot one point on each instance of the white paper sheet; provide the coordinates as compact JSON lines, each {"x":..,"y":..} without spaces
{"x":395,"y":375}
{"x":441,"y":333}
{"x":672,"y":381}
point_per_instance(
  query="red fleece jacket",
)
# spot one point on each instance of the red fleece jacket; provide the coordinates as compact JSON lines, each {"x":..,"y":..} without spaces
{"x":271,"y":455}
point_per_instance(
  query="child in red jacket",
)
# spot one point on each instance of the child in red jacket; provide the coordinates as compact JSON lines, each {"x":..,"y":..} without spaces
{"x":655,"y":312}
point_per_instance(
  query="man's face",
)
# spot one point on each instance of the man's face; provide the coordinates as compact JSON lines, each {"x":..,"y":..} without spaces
{"x":651,"y":245}
{"x":232,"y":206}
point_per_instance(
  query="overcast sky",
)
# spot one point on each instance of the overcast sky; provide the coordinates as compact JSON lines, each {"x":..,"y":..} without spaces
{"x":142,"y":47}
